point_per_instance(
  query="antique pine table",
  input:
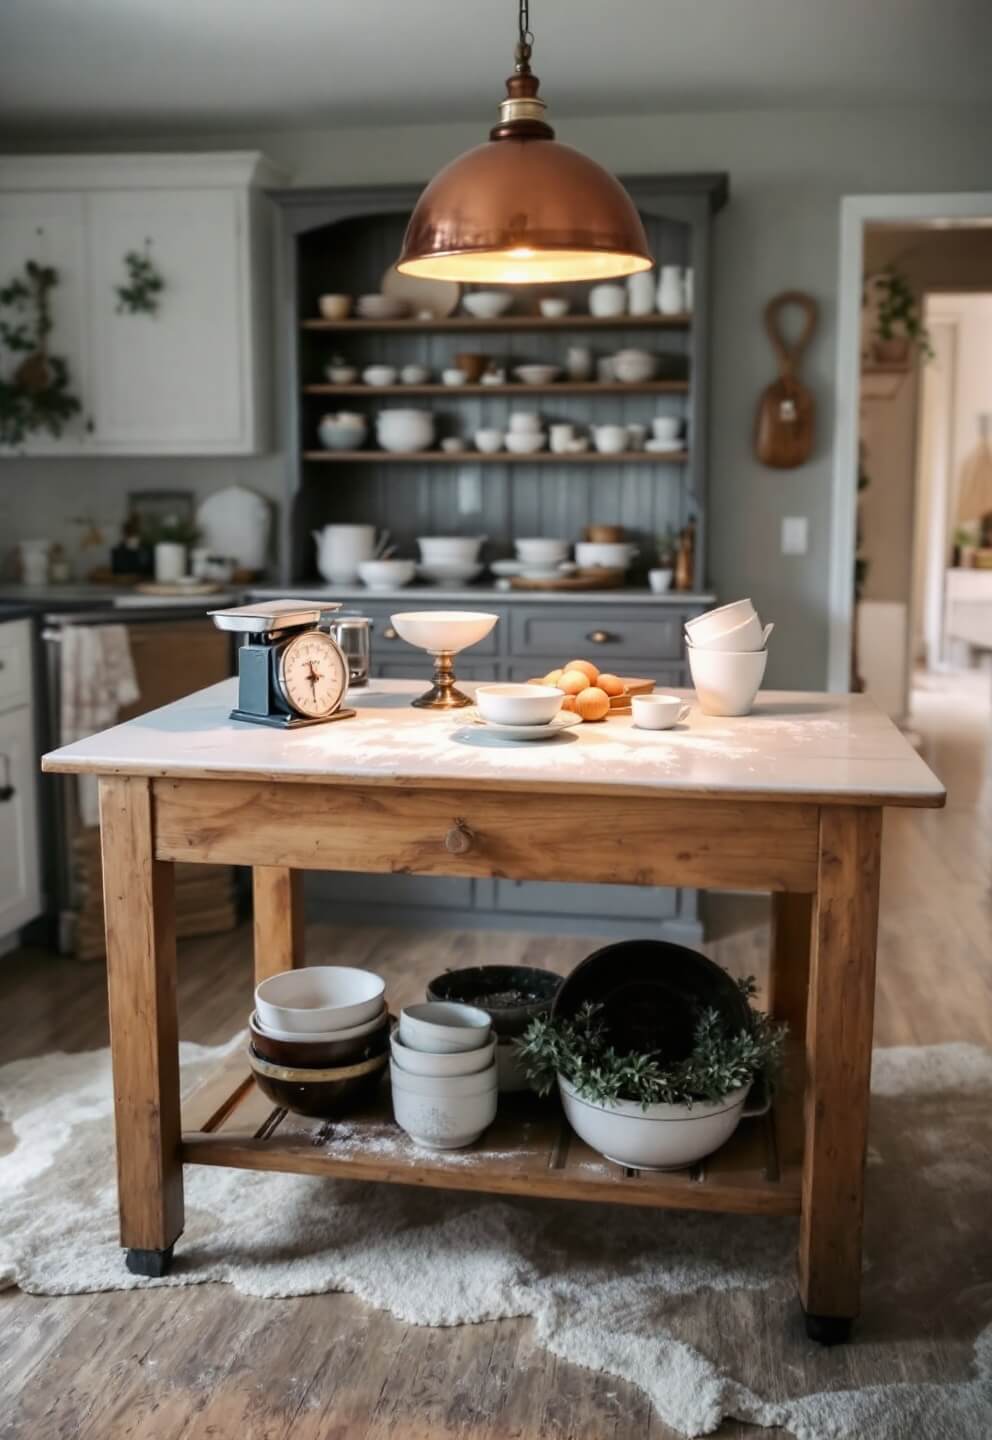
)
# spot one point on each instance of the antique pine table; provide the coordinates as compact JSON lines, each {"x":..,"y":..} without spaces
{"x":787,"y":800}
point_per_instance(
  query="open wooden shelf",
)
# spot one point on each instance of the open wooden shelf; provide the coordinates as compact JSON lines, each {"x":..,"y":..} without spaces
{"x":505,"y":322}
{"x":529,"y":1150}
{"x":560,"y":387}
{"x":502,"y":457}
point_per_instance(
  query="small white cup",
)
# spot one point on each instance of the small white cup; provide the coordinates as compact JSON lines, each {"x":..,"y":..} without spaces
{"x":524,"y":422}
{"x":561,"y":438}
{"x":488,"y":441}
{"x":610,"y":439}
{"x":658,"y":712}
{"x":665,"y":427}
{"x":453,"y":377}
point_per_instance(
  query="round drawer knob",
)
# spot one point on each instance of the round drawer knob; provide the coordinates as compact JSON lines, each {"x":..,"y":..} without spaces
{"x":599,"y":637}
{"x":389,"y":633}
{"x":458,"y":839}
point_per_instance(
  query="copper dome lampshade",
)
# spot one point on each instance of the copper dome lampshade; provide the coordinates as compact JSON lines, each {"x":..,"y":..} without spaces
{"x":523,"y":209}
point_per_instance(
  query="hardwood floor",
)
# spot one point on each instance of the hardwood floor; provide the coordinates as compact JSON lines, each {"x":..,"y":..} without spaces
{"x":200,"y":1362}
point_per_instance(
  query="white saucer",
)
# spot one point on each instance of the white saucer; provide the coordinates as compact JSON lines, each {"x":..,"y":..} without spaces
{"x":663,"y":447}
{"x":564,"y":720}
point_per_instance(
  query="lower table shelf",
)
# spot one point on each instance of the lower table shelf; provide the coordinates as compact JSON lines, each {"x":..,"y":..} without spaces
{"x":529,"y":1150}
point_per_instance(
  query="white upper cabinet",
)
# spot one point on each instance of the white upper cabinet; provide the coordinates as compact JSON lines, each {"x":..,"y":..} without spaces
{"x":189,"y":379}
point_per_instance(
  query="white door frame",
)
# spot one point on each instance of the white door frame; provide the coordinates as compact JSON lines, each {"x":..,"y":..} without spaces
{"x":857,"y":211}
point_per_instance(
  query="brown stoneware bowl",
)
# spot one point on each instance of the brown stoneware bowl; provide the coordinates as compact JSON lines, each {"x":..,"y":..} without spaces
{"x":304,"y":1054}
{"x":323,"y":1094}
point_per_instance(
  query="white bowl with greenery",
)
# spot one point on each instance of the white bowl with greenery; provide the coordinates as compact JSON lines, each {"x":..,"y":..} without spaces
{"x":636,"y":1109}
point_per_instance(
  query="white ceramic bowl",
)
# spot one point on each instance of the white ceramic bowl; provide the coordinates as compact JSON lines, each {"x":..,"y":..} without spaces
{"x":714,"y":622}
{"x":726,"y":682}
{"x":437,"y":631}
{"x":660,"y":1137}
{"x":450,"y":572}
{"x":313,"y":1037}
{"x":382,"y":307}
{"x":554,"y":306}
{"x":384,"y":574}
{"x":487,"y":304}
{"x":633,"y":367}
{"x":607,"y":300}
{"x":449,"y":547}
{"x":318,"y":998}
{"x":488,"y":441}
{"x":749,"y":635}
{"x":524,"y":420}
{"x":341,"y":374}
{"x":455,"y":1087}
{"x":447,"y":1066}
{"x":660,"y":581}
{"x":666,"y":427}
{"x":524,"y":442}
{"x":335,"y":307}
{"x":402,"y":431}
{"x":414,"y":375}
{"x":453,"y":377}
{"x":379,"y":375}
{"x":537,"y":374}
{"x":615,"y":556}
{"x":441,"y":1026}
{"x":447,"y":1123}
{"x":341,"y":434}
{"x":657,"y":712}
{"x":518,"y":704}
{"x":539,"y":551}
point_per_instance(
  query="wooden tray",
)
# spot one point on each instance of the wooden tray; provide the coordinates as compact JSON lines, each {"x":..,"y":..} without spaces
{"x":529,"y":1150}
{"x":598,"y":578}
{"x":619,"y":704}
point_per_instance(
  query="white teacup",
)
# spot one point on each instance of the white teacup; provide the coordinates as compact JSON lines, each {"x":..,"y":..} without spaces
{"x":665,"y":427}
{"x":658,"y":712}
{"x":610,"y":439}
{"x":561,"y":438}
{"x":524,"y":422}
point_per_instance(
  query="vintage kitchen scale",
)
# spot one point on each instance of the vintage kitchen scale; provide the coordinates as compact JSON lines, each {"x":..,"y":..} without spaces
{"x":290,"y":671}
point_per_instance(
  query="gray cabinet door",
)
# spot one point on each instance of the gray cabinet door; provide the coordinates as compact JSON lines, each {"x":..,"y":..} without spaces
{"x":604,"y":633}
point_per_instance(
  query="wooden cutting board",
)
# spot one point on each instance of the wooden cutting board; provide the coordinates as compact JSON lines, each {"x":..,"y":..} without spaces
{"x":592,"y":579}
{"x":783,"y":434}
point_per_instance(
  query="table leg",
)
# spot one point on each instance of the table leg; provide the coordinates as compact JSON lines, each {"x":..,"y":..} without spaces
{"x":788,"y":982}
{"x":838,"y":1068}
{"x":277,"y":896}
{"x":144,"y":1035}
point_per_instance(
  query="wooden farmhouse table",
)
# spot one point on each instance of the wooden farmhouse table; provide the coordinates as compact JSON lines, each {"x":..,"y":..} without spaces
{"x":788,"y":800}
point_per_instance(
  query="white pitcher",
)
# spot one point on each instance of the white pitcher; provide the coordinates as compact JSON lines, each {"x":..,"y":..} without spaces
{"x":640,"y":292}
{"x":671,"y":291}
{"x":341,"y":549}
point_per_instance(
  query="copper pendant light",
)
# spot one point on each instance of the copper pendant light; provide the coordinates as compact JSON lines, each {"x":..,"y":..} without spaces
{"x":523,"y":209}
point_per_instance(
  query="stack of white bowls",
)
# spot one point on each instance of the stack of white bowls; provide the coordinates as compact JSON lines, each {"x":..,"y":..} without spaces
{"x":728,"y":652}
{"x":449,"y":559}
{"x":443,"y":1074}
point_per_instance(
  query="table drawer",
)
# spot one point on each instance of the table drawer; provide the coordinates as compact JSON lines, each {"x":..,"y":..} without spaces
{"x":15,"y":664}
{"x":386,"y":642}
{"x":598,"y":633}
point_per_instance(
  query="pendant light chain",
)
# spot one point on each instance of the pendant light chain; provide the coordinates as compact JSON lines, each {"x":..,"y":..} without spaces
{"x":525,"y":42}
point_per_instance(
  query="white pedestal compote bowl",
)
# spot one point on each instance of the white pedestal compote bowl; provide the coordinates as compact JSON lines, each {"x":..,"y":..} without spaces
{"x":442,"y":633}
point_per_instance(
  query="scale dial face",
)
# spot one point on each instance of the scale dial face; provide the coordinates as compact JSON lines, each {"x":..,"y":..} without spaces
{"x":312,"y":674}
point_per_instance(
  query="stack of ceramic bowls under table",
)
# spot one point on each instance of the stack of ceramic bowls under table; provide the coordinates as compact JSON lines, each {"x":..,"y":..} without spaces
{"x":728,"y":652}
{"x":319,"y":1038}
{"x":443,"y":1074}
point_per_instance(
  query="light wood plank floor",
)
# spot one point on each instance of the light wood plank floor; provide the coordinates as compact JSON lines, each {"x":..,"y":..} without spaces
{"x":204,"y":1361}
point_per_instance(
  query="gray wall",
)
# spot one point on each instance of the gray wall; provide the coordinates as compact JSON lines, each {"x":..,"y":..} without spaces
{"x":788,"y":171}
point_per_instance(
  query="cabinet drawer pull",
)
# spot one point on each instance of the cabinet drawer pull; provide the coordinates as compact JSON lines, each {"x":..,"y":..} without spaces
{"x":601,"y":637}
{"x":7,"y":791}
{"x":458,"y":839}
{"x":389,"y":633}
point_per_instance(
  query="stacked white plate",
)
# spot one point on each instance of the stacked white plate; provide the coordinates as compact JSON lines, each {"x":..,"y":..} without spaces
{"x":443,"y":1074}
{"x":728,"y":652}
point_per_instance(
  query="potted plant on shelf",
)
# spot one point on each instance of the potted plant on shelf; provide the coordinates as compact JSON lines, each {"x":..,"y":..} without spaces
{"x":898,"y":322}
{"x":636,"y":1108}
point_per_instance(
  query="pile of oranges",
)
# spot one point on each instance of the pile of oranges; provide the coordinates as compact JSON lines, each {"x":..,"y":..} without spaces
{"x":588,"y":691}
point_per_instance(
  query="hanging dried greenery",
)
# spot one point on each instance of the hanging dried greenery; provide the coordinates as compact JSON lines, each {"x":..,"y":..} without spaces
{"x":145,"y":283}
{"x":36,"y":395}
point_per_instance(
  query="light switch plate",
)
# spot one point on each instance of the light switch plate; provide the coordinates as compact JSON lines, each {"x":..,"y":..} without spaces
{"x":795,"y":534}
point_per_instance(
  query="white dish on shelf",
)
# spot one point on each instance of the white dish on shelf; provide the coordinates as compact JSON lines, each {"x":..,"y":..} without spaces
{"x":662,"y":447}
{"x":525,"y":442}
{"x":487,"y":304}
{"x":449,"y":572}
{"x":437,"y":298}
{"x":386,"y":574}
{"x":564,"y":720}
{"x":382,"y":307}
{"x":537,"y":374}
{"x":541,"y":550}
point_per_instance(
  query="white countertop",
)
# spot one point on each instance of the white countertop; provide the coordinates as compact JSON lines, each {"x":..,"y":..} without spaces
{"x":794,"y":746}
{"x":484,"y":594}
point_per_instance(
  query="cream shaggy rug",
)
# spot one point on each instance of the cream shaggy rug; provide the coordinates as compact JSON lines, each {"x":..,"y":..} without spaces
{"x":660,"y":1299}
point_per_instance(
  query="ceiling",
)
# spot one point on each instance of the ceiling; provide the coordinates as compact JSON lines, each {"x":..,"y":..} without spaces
{"x":95,"y":67}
